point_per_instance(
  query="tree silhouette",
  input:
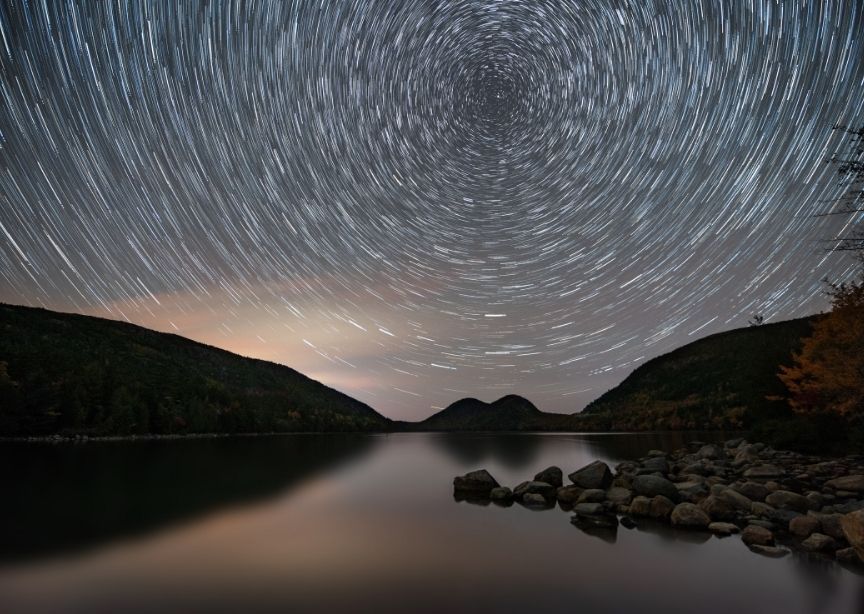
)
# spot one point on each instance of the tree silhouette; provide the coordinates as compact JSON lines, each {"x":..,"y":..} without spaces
{"x":850,"y":168}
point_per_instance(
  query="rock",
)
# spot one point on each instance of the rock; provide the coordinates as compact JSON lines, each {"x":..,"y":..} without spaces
{"x":595,"y":475}
{"x":532,"y":499}
{"x":764,"y":472}
{"x":752,"y":490}
{"x":753,"y":534}
{"x":710,"y":451}
{"x":830,"y":525}
{"x":718,"y":509}
{"x":691,"y":491}
{"x":745,"y":454}
{"x":569,"y":494}
{"x":854,"y":483}
{"x":588,"y":509}
{"x":803,"y":526}
{"x":501,"y":493}
{"x":640,"y":506}
{"x":660,"y":507}
{"x":723,"y":528}
{"x":592,"y":495}
{"x":657,"y":463}
{"x":552,"y":476}
{"x":619,"y":496}
{"x":761,"y":509}
{"x":815,"y":500}
{"x":656,"y":453}
{"x":476,"y":483}
{"x":787,"y":500}
{"x":847,"y":556}
{"x":733,"y":443}
{"x":819,"y":543}
{"x":774,"y":552}
{"x":652,"y":485}
{"x":853,"y":529}
{"x":628,"y":523}
{"x":547,"y":491}
{"x":736,"y":499}
{"x":765,"y":524}
{"x":690,"y":516}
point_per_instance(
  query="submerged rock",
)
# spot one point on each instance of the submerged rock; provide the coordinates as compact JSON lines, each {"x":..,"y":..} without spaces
{"x":775,"y":552}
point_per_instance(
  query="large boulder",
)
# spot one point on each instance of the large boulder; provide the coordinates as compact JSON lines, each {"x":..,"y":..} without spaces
{"x":551,"y":475}
{"x":595,"y":475}
{"x":787,"y":500}
{"x":853,"y":483}
{"x":652,"y":485}
{"x":689,"y":516}
{"x":475,"y":483}
{"x":853,"y":529}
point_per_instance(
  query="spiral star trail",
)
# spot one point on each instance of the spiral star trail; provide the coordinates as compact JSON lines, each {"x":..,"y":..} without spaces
{"x":415,"y":201}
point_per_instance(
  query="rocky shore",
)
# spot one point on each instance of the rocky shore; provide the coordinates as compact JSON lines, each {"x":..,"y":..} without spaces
{"x":777,"y":501}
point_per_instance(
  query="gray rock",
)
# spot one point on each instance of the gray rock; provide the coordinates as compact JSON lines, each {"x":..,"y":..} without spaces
{"x":853,"y":483}
{"x":652,"y":485}
{"x":569,"y":494}
{"x":532,"y":499}
{"x":803,"y":526}
{"x":476,"y":483}
{"x":752,"y":490}
{"x":619,"y":496}
{"x":774,"y":552}
{"x":692,"y":491}
{"x":819,"y":543}
{"x":753,"y":534}
{"x":815,"y":500}
{"x":745,"y":454}
{"x":736,"y":499}
{"x":547,"y":491}
{"x":761,"y":509}
{"x":589,"y":509}
{"x":501,"y":493}
{"x":592,"y":495}
{"x":660,"y":507}
{"x":552,"y":476}
{"x":690,"y":516}
{"x":594,"y":475}
{"x":640,"y":506}
{"x":657,"y":463}
{"x":732,"y":444}
{"x":723,"y":528}
{"x":787,"y":500}
{"x":853,"y":529}
{"x":764,"y":472}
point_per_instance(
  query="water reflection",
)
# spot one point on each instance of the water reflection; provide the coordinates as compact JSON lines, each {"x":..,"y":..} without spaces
{"x":65,"y":497}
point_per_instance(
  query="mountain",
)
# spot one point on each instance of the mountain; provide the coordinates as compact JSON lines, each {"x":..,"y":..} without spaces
{"x":725,"y":380}
{"x":509,"y":413}
{"x":71,"y":374}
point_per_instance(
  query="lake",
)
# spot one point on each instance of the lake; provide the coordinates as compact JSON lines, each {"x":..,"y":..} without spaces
{"x":359,"y":523}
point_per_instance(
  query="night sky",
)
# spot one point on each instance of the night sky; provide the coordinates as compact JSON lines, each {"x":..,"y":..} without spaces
{"x":416,"y":201}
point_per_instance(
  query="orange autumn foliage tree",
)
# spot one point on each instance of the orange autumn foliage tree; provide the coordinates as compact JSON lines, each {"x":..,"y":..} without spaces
{"x":828,"y":373}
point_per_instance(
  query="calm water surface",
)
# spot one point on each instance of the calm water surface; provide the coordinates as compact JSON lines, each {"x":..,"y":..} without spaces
{"x":357,"y":523}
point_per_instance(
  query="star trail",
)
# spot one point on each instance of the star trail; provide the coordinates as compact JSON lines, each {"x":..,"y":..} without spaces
{"x":415,"y":201}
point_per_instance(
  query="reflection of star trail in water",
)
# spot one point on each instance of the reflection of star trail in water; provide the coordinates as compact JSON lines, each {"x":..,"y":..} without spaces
{"x":412,"y":200}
